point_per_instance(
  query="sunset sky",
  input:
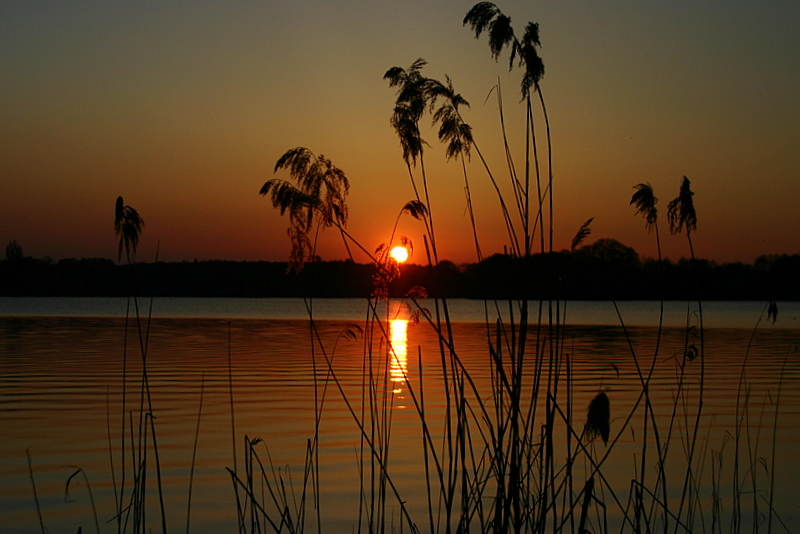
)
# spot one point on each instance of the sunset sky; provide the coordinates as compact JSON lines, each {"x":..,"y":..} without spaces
{"x":183,"y":108}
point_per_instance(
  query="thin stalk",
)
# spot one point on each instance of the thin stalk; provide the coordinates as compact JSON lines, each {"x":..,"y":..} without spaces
{"x":35,"y":495}
{"x":158,"y":474}
{"x":506,"y":216}
{"x":194,"y":451}
{"x":774,"y":443}
{"x":695,"y":430}
{"x":110,"y":448}
{"x":123,"y":410}
{"x":739,"y":417}
{"x":79,"y":470}
{"x":233,"y":432}
{"x":549,"y":160}
{"x":515,"y":185}
{"x":531,"y":139}
{"x":474,"y":227}
{"x":424,"y":441}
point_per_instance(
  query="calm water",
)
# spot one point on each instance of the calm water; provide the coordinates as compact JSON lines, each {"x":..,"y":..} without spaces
{"x":61,"y":396}
{"x":727,"y":314}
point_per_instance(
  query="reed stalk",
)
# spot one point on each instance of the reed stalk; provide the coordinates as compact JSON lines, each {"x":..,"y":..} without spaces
{"x":35,"y":494}
{"x":194,"y":453}
{"x":495,"y":457}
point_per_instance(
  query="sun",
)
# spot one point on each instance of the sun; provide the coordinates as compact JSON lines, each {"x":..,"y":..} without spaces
{"x":399,"y":254}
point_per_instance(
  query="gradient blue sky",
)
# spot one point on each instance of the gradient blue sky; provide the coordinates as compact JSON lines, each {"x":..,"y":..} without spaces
{"x":183,"y":108}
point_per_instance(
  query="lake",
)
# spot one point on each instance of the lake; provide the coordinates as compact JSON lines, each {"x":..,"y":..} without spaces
{"x":68,"y":366}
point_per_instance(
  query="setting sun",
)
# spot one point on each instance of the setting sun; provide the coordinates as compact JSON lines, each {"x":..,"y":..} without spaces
{"x":399,"y":254}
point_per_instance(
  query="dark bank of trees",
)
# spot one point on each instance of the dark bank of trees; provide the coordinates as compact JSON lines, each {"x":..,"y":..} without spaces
{"x":608,"y":270}
{"x":605,"y":269}
{"x":103,"y":277}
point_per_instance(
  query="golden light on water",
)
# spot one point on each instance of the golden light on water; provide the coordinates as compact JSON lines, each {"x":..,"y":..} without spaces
{"x":399,"y":254}
{"x":398,"y":366}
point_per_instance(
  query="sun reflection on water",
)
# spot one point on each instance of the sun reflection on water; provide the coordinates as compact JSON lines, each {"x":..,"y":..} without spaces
{"x":398,"y":366}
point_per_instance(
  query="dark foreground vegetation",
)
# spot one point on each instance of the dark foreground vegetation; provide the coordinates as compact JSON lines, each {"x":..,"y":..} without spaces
{"x":516,"y":449}
{"x":605,"y":269}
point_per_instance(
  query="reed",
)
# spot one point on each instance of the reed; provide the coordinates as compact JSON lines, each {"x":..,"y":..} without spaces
{"x":194,"y":453}
{"x":136,"y":439}
{"x":35,"y":494}
{"x":513,"y":458}
{"x":523,"y":451}
{"x":80,"y":471}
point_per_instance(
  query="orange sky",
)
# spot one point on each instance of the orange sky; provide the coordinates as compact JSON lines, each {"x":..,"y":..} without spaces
{"x":183,"y":108}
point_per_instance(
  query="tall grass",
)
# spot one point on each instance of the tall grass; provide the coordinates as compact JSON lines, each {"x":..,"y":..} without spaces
{"x":524,"y":454}
{"x":138,"y":430}
{"x":137,"y":438}
{"x":525,"y":450}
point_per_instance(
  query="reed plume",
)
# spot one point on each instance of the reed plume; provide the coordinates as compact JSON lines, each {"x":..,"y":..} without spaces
{"x":128,"y":225}
{"x":598,"y":417}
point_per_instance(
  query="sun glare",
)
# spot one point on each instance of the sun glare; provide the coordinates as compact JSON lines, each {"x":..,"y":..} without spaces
{"x":399,"y":254}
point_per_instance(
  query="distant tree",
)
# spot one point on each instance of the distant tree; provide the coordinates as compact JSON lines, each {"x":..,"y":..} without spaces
{"x":612,"y":252}
{"x":127,"y":226}
{"x":13,"y":251}
{"x":765,"y":262}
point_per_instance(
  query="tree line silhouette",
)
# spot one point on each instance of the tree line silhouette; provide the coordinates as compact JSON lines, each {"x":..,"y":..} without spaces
{"x":605,"y":269}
